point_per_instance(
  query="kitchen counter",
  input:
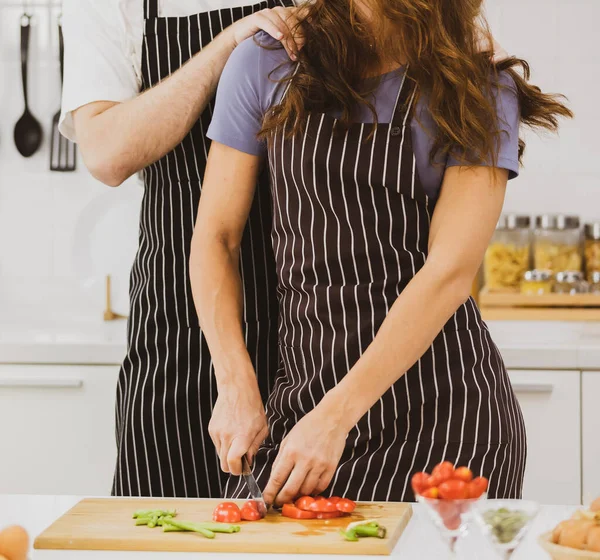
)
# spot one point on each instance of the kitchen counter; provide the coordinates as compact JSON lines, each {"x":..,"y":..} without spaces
{"x":523,"y":344}
{"x":419,"y":541}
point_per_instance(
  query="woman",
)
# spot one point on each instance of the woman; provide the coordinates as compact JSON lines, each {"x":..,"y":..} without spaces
{"x":379,"y":229}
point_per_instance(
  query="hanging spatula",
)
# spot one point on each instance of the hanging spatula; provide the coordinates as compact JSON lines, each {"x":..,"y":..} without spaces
{"x":63,"y":152}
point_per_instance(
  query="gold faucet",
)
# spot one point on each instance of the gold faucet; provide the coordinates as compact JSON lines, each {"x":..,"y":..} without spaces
{"x":109,"y":314}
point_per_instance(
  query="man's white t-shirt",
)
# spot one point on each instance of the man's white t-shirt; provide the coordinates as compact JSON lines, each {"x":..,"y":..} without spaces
{"x":103,"y":48}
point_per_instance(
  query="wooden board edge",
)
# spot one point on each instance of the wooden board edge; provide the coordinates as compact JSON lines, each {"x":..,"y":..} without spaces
{"x":392,"y":540}
{"x":41,"y":535}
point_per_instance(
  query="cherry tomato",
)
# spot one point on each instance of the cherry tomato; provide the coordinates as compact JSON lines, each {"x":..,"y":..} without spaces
{"x":419,"y":482}
{"x":329,"y":514}
{"x":345,"y":505}
{"x":250,"y":511}
{"x":477,"y":487}
{"x":463,"y":473}
{"x":322,"y":505}
{"x":227,"y":512}
{"x":442,"y":472}
{"x":335,"y":499}
{"x":432,"y":493}
{"x":454,"y":490}
{"x":305,"y":502}
{"x":291,"y":511}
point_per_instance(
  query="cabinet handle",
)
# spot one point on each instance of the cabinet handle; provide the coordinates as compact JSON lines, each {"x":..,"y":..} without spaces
{"x":40,"y":383}
{"x":533,"y":387}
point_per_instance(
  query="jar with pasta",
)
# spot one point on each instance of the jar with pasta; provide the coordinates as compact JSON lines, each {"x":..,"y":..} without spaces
{"x":591,"y":249}
{"x":508,"y":256}
{"x":557,"y":243}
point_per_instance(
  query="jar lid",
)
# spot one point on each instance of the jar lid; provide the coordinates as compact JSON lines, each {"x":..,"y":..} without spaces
{"x":513,"y":221}
{"x":569,"y":276}
{"x":537,"y":275}
{"x":557,"y":221}
{"x":592,"y":231}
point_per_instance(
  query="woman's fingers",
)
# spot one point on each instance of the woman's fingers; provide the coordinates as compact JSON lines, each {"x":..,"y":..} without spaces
{"x":277,"y":20}
{"x":310,"y":484}
{"x":282,"y":468}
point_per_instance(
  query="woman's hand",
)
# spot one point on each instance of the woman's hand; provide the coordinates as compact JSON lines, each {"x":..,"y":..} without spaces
{"x":308,"y":456}
{"x":280,"y":23}
{"x":238,"y":424}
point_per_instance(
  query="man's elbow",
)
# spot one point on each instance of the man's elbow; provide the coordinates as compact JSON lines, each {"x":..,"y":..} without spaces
{"x":107,"y":169}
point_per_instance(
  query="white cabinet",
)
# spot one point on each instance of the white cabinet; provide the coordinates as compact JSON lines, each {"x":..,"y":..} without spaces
{"x":590,"y":403}
{"x":551,"y":406}
{"x":57,"y":429}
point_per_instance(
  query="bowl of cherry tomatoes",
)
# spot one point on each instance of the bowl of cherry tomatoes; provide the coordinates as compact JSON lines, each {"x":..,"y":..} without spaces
{"x":449,"y":494}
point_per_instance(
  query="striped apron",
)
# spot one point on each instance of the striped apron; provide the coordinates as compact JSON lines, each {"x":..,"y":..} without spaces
{"x":350,"y":231}
{"x":166,"y":387}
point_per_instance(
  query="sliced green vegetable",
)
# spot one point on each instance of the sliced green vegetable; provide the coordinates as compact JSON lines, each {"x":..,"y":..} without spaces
{"x":153,"y":513}
{"x":361,"y":529}
{"x":142,"y":520}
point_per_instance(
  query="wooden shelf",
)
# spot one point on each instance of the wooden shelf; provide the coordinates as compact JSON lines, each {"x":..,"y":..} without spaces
{"x":514,"y":306}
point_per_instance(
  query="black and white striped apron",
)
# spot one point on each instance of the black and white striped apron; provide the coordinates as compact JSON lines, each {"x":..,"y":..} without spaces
{"x":166,"y":388}
{"x":350,"y":231}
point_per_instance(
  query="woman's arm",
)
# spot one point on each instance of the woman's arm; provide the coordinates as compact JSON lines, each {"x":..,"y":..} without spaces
{"x":463,"y":222}
{"x":238,"y":424}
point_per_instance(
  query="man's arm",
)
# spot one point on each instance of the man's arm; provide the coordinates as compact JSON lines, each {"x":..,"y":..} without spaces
{"x":119,"y":139}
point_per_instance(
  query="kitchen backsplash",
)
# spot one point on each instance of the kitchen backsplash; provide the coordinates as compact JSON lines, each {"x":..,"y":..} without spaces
{"x":60,"y":233}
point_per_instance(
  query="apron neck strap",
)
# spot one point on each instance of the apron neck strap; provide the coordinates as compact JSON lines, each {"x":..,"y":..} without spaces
{"x":404,"y":100}
{"x":150,"y":9}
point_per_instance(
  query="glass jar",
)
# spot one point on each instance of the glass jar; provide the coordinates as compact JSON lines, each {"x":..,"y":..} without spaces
{"x":570,"y":282}
{"x":594,"y":280}
{"x":508,"y":256}
{"x":557,"y":243}
{"x":591,"y":249}
{"x":536,"y":283}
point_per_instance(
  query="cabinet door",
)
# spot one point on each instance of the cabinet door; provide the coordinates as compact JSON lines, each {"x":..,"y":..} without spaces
{"x":591,"y":435}
{"x":58,"y":429}
{"x":551,"y":406}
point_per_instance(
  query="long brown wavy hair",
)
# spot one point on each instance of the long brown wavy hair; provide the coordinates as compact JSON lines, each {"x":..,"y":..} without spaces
{"x":440,"y":40}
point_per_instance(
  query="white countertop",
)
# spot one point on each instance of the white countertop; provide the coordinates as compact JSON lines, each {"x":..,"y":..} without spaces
{"x":523,"y":344}
{"x":419,"y":541}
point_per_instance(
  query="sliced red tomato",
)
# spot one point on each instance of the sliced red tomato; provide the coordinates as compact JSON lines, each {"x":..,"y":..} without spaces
{"x":322,"y":505}
{"x":329,"y":514}
{"x":249,"y":511}
{"x":227,"y":512}
{"x":335,"y":499}
{"x":454,"y":490}
{"x":420,"y":482}
{"x":477,"y":487}
{"x":291,"y":511}
{"x":305,"y":502}
{"x":345,"y":505}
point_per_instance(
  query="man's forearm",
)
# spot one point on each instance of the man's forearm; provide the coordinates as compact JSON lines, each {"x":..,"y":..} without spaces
{"x":126,"y":137}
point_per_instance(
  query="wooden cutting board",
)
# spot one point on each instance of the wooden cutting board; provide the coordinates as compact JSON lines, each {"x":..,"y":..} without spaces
{"x":107,"y":524}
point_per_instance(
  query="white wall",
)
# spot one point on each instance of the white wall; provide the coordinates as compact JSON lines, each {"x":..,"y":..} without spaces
{"x":558,"y":38}
{"x":61,"y":233}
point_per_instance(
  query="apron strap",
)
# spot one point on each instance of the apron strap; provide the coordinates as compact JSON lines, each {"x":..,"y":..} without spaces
{"x":150,"y":9}
{"x":404,"y":100}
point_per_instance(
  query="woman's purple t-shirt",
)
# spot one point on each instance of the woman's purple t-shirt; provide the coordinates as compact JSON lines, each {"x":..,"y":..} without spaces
{"x":247,"y":90}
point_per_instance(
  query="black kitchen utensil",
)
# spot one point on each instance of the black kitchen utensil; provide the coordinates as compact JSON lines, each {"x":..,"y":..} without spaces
{"x":28,"y":131}
{"x":63,"y":152}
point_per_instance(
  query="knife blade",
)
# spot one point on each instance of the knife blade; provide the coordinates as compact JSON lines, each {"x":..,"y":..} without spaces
{"x":253,"y":487}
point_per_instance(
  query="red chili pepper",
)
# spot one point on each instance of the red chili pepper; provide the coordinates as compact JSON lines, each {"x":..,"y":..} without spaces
{"x":227,"y":512}
{"x":323,"y":505}
{"x":345,"y":505}
{"x":291,"y":511}
{"x":305,"y":502}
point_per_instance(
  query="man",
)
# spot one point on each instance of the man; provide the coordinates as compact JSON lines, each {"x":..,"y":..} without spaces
{"x":139,"y":80}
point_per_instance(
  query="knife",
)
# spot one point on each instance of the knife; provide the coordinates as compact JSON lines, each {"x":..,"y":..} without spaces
{"x":253,"y":488}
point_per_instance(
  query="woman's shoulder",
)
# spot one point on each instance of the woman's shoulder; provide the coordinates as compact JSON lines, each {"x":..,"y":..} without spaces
{"x":258,"y":63}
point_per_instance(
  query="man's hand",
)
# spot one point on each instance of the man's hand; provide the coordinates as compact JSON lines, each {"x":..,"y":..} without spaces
{"x":308,"y":456}
{"x":281,"y":23}
{"x":238,"y":425}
